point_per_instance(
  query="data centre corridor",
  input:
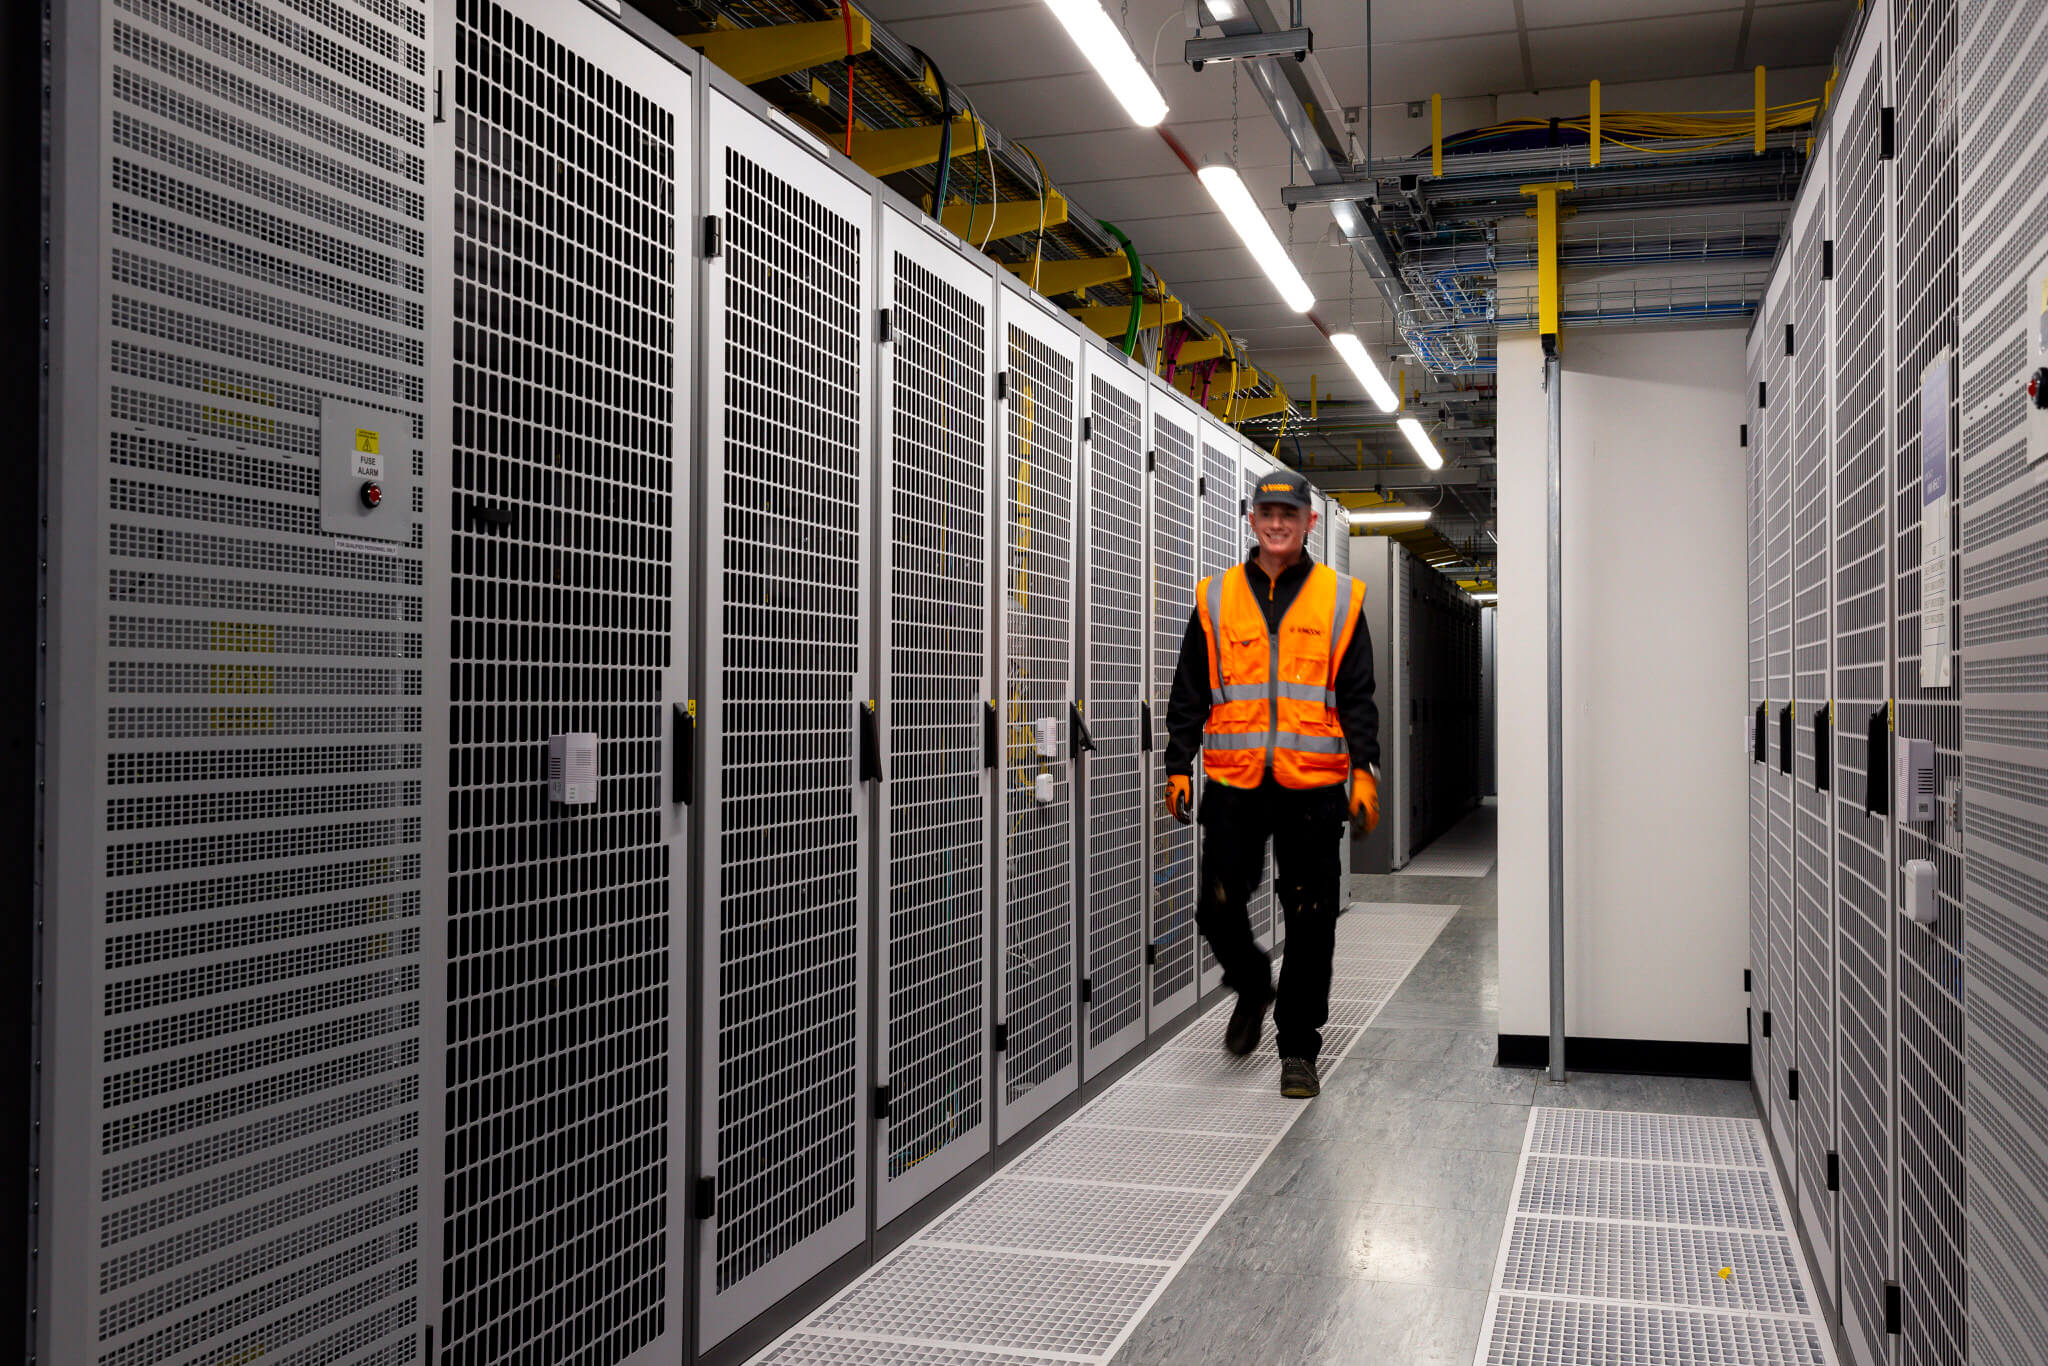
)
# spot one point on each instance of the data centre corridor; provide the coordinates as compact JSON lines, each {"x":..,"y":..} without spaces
{"x":1010,"y":682}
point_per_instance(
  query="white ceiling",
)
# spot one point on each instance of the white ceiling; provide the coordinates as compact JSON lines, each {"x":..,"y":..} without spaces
{"x":1488,"y":58}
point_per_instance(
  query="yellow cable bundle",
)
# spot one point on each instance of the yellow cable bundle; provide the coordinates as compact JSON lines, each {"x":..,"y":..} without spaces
{"x":1700,"y":128}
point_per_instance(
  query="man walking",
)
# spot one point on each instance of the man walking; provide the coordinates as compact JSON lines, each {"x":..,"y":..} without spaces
{"x":1275,"y":688}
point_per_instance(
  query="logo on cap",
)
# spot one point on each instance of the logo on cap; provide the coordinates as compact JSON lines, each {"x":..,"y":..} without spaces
{"x":1276,"y":488}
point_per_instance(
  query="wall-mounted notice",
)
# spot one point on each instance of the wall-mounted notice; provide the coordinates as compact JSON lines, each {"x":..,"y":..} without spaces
{"x":1937,"y":594}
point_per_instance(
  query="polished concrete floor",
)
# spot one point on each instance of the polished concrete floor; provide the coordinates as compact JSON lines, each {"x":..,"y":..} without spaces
{"x":1370,"y":1234}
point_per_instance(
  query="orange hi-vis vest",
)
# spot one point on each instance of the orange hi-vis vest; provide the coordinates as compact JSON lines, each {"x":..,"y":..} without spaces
{"x":1275,"y":701}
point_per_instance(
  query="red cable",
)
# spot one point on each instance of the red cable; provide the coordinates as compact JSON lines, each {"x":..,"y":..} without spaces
{"x":847,"y":12}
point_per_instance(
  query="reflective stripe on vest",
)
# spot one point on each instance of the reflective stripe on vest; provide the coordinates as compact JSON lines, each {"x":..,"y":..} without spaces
{"x":1280,"y":724}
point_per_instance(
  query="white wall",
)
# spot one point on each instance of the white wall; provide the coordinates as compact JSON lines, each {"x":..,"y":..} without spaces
{"x":1655,"y":585}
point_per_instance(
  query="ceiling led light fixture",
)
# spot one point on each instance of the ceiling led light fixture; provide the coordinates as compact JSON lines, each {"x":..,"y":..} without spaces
{"x":1419,"y":439}
{"x":1485,"y":597}
{"x":1220,"y":10}
{"x":1353,"y":351}
{"x":1106,"y":49}
{"x":1389,"y":516}
{"x":1226,"y":187}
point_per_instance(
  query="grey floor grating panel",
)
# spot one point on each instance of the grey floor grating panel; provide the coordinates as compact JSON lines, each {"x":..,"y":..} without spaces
{"x":1535,"y":1332}
{"x":1057,"y":1257}
{"x":826,"y":1349}
{"x":1101,"y":1220}
{"x":1654,"y":1239}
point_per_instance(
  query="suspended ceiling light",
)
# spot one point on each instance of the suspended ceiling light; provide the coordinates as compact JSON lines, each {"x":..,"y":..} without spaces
{"x":1354,"y":353}
{"x":1220,"y":10}
{"x":1226,"y":187}
{"x":1419,"y":439}
{"x":1105,"y":47}
{"x":1389,"y":516}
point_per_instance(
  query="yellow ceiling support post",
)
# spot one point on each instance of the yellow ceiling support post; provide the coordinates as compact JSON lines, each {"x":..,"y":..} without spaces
{"x":1052,"y":278}
{"x":1595,"y":142}
{"x":1546,"y":194}
{"x":1436,"y":135}
{"x":753,"y":55}
{"x":1111,"y":320}
{"x":1762,"y":114}
{"x":1009,"y":219}
{"x":890,"y":151}
{"x":1313,"y":412}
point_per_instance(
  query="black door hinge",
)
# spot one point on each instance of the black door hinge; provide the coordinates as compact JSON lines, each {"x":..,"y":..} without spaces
{"x":1894,"y":1299}
{"x":1201,"y":485}
{"x":1002,"y":1037}
{"x":1145,"y":727}
{"x":1002,"y":385}
{"x":881,"y":1102}
{"x":440,"y":113}
{"x":1746,"y":980}
{"x":683,"y":782}
{"x":1767,"y":1024}
{"x":1788,"y":339}
{"x":1087,"y":990}
{"x":1887,"y":142}
{"x":1792,"y":1084}
{"x":1745,"y":435}
{"x":707,"y":1198}
{"x":711,"y":246}
{"x":1762,"y":749}
{"x":1151,"y":461}
{"x":1763,"y":395}
{"x":881,"y":324}
{"x":1877,"y":765}
{"x":990,"y":749}
{"x":1827,"y":258}
{"x":1151,"y":955}
{"x":1834,"y":1171}
{"x":1785,"y":738}
{"x":1087,"y":428}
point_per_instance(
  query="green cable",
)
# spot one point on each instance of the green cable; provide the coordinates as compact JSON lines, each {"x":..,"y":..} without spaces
{"x":1137,"y":285}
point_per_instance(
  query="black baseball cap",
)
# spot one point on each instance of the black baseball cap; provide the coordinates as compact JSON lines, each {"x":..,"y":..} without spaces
{"x":1282,"y":486}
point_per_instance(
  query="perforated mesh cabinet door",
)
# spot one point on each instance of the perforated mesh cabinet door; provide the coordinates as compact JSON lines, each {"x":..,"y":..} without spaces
{"x":1037,"y":959}
{"x":1759,"y":706}
{"x":1813,"y":859}
{"x":1780,"y":442}
{"x":1268,"y":927}
{"x":935,"y":546}
{"x":1929,"y":969}
{"x":2004,"y":252}
{"x":1861,"y":571}
{"x":1112,"y":843}
{"x":234,"y":1148}
{"x":1171,"y":538}
{"x":565,"y":1022}
{"x":787,"y":322}
{"x":1224,"y":541}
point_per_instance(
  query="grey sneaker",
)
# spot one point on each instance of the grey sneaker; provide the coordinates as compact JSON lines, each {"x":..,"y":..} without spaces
{"x":1298,"y":1079}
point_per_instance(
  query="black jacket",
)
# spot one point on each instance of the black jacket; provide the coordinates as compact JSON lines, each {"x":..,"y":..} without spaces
{"x":1187,"y":712}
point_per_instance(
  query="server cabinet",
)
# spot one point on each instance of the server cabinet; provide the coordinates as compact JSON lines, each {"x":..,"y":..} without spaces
{"x":1780,"y":436}
{"x":238,"y":1098}
{"x":1812,"y":382}
{"x":1037,"y":957}
{"x":1758,"y":717}
{"x":933,"y":1116}
{"x":1223,"y":542}
{"x":1171,"y":542}
{"x":2005,"y":714}
{"x":1928,"y":965}
{"x":1860,"y":569}
{"x":1269,"y":926}
{"x":1111,"y":844}
{"x":783,"y":836}
{"x":566,"y":1023}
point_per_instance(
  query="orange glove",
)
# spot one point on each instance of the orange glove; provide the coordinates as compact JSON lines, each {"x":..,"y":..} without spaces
{"x":1365,"y":802}
{"x":1180,"y":797}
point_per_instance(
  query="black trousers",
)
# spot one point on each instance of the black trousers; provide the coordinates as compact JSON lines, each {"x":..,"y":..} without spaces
{"x":1304,"y":828}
